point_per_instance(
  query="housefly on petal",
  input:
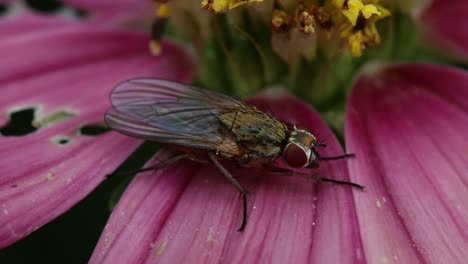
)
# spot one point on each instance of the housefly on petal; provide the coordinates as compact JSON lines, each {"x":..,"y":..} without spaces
{"x":207,"y":126}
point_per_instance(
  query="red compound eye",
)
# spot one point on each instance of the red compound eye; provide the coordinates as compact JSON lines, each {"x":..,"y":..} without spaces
{"x":295,"y":156}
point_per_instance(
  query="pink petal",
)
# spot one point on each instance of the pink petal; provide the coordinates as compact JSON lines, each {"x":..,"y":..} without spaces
{"x":100,"y":15}
{"x":445,"y":24}
{"x":72,"y":72}
{"x":105,"y":4}
{"x":190,"y":213}
{"x":408,"y":126}
{"x":5,"y":2}
{"x":111,"y":11}
{"x":27,"y":21}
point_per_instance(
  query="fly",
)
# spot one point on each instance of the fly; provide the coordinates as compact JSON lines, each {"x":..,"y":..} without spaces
{"x":206,"y":126}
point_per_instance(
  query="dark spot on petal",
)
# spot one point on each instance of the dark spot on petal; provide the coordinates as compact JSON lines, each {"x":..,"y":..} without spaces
{"x":81,"y":13}
{"x":45,"y":6}
{"x":21,"y":123}
{"x":94,"y":129}
{"x":14,"y":185}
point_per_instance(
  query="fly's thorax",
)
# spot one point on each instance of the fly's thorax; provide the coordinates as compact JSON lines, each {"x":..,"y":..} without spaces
{"x":259,"y":134}
{"x":299,"y":149}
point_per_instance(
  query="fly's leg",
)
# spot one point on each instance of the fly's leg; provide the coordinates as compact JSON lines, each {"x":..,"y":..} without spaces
{"x":244,"y":213}
{"x":314,"y":177}
{"x":158,"y":166}
{"x":318,"y":178}
{"x":236,"y":184}
{"x":315,"y":164}
{"x":165,"y":163}
{"x":228,"y":175}
{"x":349,"y":155}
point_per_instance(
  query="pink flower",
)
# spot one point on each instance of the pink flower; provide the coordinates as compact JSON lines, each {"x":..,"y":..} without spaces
{"x":193,"y":207}
{"x":406,"y":123}
{"x":65,"y":77}
{"x":408,"y":133}
{"x":99,"y":14}
{"x":444,"y":23}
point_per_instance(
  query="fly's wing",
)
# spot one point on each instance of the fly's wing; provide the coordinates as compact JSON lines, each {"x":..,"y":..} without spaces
{"x":169,"y":112}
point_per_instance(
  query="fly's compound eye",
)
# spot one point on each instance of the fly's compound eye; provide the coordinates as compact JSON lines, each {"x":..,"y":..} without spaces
{"x":296,"y":156}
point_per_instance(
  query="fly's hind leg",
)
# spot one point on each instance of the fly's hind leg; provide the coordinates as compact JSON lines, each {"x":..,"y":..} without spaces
{"x":165,"y":163}
{"x":236,"y":184}
{"x":158,"y":166}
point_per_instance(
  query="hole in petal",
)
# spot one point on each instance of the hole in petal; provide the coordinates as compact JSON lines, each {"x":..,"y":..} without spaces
{"x":54,"y":6}
{"x":94,"y":129}
{"x":54,"y":118}
{"x":46,"y":6}
{"x":61,"y":140}
{"x":26,"y":120}
{"x":21,"y":123}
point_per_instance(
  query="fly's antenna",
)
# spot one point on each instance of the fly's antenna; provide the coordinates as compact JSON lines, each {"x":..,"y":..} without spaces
{"x":321,"y":143}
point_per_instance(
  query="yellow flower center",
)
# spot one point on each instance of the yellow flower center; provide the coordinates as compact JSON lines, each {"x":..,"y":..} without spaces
{"x":222,"y":5}
{"x":303,"y":24}
{"x":358,"y":27}
{"x":357,"y":8}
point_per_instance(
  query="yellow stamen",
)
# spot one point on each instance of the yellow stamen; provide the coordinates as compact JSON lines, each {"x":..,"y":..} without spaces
{"x":280,"y":21}
{"x":358,"y":23}
{"x":155,"y":47}
{"x":338,"y":3}
{"x":162,"y":11}
{"x":236,"y":3}
{"x":222,"y":5}
{"x":215,"y":5}
{"x":305,"y":22}
{"x":355,"y":44}
{"x":357,"y":8}
{"x":353,"y":20}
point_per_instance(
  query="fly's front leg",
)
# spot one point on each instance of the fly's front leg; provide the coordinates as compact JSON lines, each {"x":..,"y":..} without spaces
{"x":315,"y":177}
{"x":236,"y":184}
{"x":345,"y":156}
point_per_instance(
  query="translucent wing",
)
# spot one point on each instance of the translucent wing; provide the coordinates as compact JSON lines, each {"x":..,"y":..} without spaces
{"x":169,"y":112}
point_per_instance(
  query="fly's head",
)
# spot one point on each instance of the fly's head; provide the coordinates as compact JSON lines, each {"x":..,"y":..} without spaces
{"x":300,"y":150}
